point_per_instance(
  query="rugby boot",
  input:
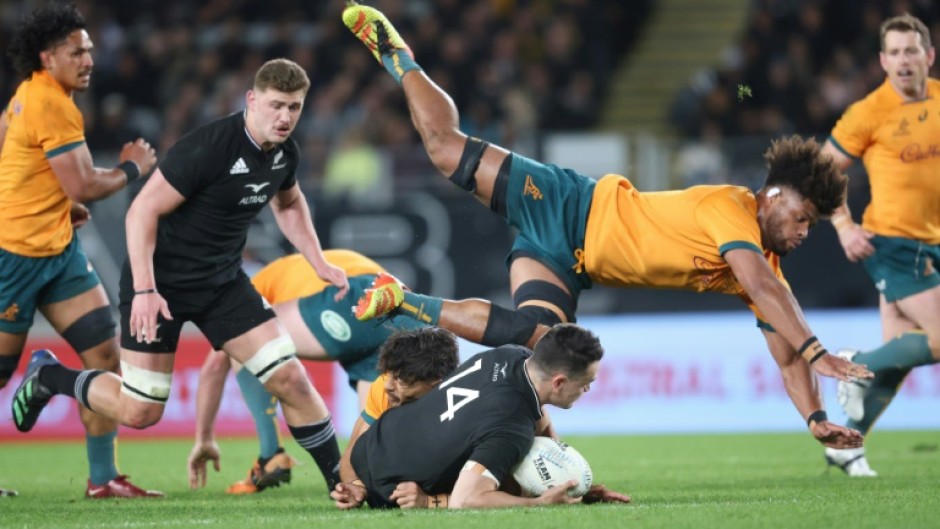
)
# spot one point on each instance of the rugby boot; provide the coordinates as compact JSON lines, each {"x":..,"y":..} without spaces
{"x":374,"y":30}
{"x":119,"y":487}
{"x":378,"y":302}
{"x":32,"y":396}
{"x":264,"y":474}
{"x":851,"y":394}
{"x":851,"y":461}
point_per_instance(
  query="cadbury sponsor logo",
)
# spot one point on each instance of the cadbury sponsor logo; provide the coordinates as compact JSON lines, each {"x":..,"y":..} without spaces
{"x":914,"y":152}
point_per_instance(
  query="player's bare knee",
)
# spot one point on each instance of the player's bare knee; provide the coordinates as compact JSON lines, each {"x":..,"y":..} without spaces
{"x":444,"y":149}
{"x":104,"y":358}
{"x":140,"y":415}
{"x":290,"y":384}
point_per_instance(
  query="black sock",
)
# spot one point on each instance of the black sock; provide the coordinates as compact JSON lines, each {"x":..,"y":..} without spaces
{"x":319,"y":440}
{"x":69,"y":382}
{"x":60,"y":379}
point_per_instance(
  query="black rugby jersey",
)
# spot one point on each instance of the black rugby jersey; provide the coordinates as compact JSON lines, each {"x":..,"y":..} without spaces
{"x":227,"y":179}
{"x":485,"y":411}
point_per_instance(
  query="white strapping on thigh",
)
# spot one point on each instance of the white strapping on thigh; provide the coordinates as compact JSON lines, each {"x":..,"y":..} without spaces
{"x":271,"y":357}
{"x":145,"y":385}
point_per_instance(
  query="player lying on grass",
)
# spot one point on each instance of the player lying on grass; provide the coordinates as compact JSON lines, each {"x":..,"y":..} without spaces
{"x":323,"y":328}
{"x":575,"y":231}
{"x":414,"y":456}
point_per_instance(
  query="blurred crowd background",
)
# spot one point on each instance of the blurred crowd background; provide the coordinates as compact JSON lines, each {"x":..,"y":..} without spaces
{"x":519,"y":71}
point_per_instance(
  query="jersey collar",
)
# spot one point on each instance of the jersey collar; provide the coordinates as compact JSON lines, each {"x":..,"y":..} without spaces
{"x":248,"y":134}
{"x":45,"y":77}
{"x":535,"y":394}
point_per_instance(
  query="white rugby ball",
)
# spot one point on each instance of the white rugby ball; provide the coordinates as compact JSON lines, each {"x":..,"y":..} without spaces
{"x":551,"y":462}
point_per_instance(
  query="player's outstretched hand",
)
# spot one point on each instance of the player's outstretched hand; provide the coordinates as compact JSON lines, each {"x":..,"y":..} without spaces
{"x":836,"y":436}
{"x":408,"y":495}
{"x":79,"y":215}
{"x":834,"y":366}
{"x":601,"y":494}
{"x":202,"y":453}
{"x":143,"y":320}
{"x":855,"y":242}
{"x":336,"y":276}
{"x":348,"y":496}
{"x":141,"y":153}
{"x":559,"y":494}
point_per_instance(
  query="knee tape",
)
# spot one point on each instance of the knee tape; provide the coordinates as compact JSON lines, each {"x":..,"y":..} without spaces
{"x":548,"y":292}
{"x":465,"y":175}
{"x":91,"y":329}
{"x":271,"y":357}
{"x":515,"y":326}
{"x":145,"y":385}
{"x":8,"y":366}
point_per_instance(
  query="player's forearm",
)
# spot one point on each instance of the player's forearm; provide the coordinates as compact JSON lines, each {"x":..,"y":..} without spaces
{"x":296,"y":224}
{"x":782,"y":312}
{"x":802,"y":387}
{"x":103,"y":183}
{"x":209,"y":395}
{"x":494,"y":499}
{"x":141,"y":227}
{"x":346,"y":471}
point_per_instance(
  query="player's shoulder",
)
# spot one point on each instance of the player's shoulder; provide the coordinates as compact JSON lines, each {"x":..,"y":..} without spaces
{"x":508,"y":351}
{"x":38,"y":94}
{"x":721,"y":193}
{"x":212,"y":142}
{"x":217,"y":131}
{"x":872,"y":105}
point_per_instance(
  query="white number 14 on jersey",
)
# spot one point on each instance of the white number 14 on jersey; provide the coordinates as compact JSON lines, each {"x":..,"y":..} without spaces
{"x":466,"y":395}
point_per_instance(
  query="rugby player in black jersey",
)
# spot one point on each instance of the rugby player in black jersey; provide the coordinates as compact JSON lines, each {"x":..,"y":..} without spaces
{"x":459,"y":441}
{"x":185,"y":234}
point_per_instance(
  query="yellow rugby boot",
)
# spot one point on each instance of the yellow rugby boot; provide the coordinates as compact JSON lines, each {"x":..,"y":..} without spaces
{"x":371,"y":27}
{"x":378,"y":302}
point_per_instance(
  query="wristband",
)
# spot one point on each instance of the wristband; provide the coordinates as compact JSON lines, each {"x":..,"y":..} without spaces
{"x":817,"y":416}
{"x":131,"y":169}
{"x":145,"y":291}
{"x":812,"y":350}
{"x":819,"y":355}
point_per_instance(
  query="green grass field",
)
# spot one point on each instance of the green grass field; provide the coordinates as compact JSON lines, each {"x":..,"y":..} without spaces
{"x":722,"y":481}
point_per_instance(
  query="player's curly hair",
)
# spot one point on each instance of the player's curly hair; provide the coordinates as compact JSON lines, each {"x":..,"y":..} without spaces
{"x":39,"y":31}
{"x":567,"y":348}
{"x":799,"y":164}
{"x":422,"y":355}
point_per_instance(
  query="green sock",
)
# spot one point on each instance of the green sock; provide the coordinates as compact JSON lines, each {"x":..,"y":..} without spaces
{"x":908,"y":350}
{"x":399,"y":63}
{"x":263,"y":407}
{"x":101,"y":465}
{"x":426,"y":309}
{"x":878,"y":395}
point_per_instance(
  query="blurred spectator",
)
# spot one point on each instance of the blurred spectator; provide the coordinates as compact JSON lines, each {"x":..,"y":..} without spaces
{"x":805,"y":61}
{"x":162,"y":68}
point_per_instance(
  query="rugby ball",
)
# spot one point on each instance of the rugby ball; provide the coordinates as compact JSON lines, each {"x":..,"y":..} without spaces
{"x":551,"y":462}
